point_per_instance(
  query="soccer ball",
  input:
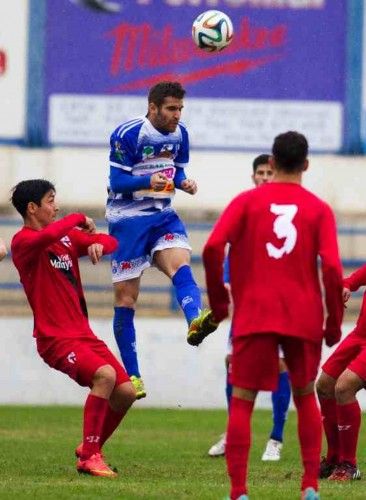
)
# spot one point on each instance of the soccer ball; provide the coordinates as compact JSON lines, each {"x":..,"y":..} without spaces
{"x":212,"y":30}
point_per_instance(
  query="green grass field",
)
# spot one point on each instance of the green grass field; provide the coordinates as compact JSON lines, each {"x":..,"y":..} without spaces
{"x":161,"y":454}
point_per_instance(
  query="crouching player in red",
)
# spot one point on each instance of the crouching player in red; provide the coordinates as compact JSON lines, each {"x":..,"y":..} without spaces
{"x":276,"y":233}
{"x":46,"y":254}
{"x":343,"y":375}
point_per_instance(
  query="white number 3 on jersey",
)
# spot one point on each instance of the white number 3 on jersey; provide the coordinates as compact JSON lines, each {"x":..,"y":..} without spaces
{"x":283,"y":228}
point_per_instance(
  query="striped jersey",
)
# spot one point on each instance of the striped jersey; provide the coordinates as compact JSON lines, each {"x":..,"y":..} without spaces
{"x":139,"y":149}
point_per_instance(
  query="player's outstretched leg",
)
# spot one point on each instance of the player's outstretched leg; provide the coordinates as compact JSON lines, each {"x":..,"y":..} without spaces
{"x":280,"y":403}
{"x":125,"y":335}
{"x":200,"y":327}
{"x":188,"y":296}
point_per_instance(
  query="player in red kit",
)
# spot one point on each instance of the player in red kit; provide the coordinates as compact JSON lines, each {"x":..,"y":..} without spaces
{"x":276,"y":233}
{"x":46,"y":254}
{"x":343,"y":375}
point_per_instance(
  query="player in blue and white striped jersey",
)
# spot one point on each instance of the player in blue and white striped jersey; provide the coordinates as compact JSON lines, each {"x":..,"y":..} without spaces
{"x":147,"y":161}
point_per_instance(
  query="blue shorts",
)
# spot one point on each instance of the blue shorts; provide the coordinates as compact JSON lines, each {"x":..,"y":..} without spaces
{"x":139,"y":237}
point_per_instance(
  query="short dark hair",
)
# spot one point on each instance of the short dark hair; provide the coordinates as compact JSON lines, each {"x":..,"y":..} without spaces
{"x":260,"y":160}
{"x":32,"y":190}
{"x":290,"y":151}
{"x":161,"y":90}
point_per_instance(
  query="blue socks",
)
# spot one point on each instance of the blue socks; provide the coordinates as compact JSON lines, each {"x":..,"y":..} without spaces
{"x":125,"y":335}
{"x":280,"y":404}
{"x":228,"y":391}
{"x":187,"y":292}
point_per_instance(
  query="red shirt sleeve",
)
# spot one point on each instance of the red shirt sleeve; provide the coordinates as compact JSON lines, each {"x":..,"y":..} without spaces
{"x":356,"y":279}
{"x":33,"y":242}
{"x":214,"y":254}
{"x":332,"y":276}
{"x":82,"y":241}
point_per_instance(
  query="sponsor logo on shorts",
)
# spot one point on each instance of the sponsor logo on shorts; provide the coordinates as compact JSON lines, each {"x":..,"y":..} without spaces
{"x":71,"y":357}
{"x":125,"y":266}
{"x":169,"y":237}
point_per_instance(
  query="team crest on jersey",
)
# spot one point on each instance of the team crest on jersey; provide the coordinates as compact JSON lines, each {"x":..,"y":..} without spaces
{"x":167,"y":151}
{"x":148,"y":152}
{"x":66,"y":241}
{"x":118,"y":151}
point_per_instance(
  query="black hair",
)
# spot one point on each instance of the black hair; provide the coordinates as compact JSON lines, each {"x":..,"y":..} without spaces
{"x":260,"y":160}
{"x":290,"y":151}
{"x":32,"y":190}
{"x":161,"y":90}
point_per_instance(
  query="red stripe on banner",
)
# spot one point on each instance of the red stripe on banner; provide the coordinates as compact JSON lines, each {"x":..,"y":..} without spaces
{"x":229,"y":68}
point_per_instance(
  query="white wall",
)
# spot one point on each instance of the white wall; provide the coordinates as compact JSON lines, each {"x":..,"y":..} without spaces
{"x":176,"y":375}
{"x":81,"y":174}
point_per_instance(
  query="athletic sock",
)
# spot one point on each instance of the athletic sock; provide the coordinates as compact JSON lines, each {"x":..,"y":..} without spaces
{"x":330,"y":424}
{"x":349,"y":421}
{"x":237,"y":444}
{"x":187,"y":292}
{"x":280,"y":403}
{"x":310,"y":437}
{"x":112,"y":420}
{"x":228,"y":391}
{"x":125,"y":335}
{"x":95,"y":409}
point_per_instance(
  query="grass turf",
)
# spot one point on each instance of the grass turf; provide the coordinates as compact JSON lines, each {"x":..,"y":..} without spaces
{"x":161,"y":454}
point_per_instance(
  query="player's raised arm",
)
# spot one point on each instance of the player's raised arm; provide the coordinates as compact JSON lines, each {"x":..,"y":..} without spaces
{"x":332,"y":276}
{"x":102,"y":244}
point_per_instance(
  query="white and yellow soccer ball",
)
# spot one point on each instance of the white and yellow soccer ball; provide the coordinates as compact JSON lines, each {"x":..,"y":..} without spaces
{"x":212,"y":30}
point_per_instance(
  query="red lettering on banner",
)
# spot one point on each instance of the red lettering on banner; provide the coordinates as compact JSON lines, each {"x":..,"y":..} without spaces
{"x":2,"y":62}
{"x":140,"y":46}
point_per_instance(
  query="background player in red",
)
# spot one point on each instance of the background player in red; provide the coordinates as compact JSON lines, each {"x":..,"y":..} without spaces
{"x":46,"y":254}
{"x":343,"y":375}
{"x":276,"y":234}
{"x":262,"y":173}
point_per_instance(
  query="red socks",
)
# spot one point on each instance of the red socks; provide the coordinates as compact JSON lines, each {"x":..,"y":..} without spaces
{"x":330,"y":424}
{"x":238,"y":444}
{"x":112,"y":420}
{"x":310,"y":436}
{"x":95,"y":410}
{"x":349,"y":421}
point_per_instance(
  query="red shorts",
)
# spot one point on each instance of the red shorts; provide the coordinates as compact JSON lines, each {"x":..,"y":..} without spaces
{"x":79,"y":358}
{"x":351,"y":354}
{"x":255,"y":361}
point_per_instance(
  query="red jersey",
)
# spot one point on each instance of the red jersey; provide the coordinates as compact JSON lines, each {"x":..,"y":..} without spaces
{"x":353,"y":283}
{"x":47,"y":262}
{"x":276,"y":233}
